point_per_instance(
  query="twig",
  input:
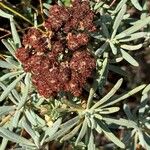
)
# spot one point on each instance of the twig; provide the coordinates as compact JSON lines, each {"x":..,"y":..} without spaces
{"x":4,"y":30}
{"x":112,"y":3}
{"x":19,"y":31}
{"x":41,"y":7}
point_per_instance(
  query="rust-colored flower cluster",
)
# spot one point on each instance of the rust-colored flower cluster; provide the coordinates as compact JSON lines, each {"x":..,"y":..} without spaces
{"x":58,"y":59}
{"x":77,"y":17}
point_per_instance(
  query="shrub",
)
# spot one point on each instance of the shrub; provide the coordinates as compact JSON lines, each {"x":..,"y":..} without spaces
{"x":56,"y":84}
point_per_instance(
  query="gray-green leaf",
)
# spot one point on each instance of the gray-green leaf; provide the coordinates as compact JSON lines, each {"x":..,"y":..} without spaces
{"x":129,"y":58}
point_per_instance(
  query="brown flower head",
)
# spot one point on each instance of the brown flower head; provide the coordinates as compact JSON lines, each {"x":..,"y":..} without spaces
{"x":69,"y":27}
{"x":76,"y":41}
{"x":83,"y":63}
{"x":35,"y":39}
{"x":71,"y":18}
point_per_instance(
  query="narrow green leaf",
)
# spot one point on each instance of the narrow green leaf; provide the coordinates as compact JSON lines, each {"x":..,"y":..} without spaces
{"x":124,"y":96}
{"x":9,"y":47}
{"x":107,"y":110}
{"x":100,"y":50}
{"x":16,"y":64}
{"x":10,"y":74}
{"x":5,"y":15}
{"x":103,"y":74}
{"x":93,"y":122}
{"x":25,"y":91}
{"x":98,"y":129}
{"x":70,"y":122}
{"x":143,"y":103}
{"x":89,"y":123}
{"x":14,"y":137}
{"x":118,"y":20}
{"x":113,"y":48}
{"x":6,"y":110}
{"x":129,"y":58}
{"x":40,"y":121}
{"x":145,"y":8}
{"x":121,"y":122}
{"x":128,"y":112}
{"x":136,"y":4}
{"x":116,"y":60}
{"x":147,"y":125}
{"x":146,"y":89}
{"x":3,"y":144}
{"x":141,"y":138}
{"x":105,"y":31}
{"x":46,"y":12}
{"x":12,"y":44}
{"x":133,"y":36}
{"x":98,"y":5}
{"x":30,"y":131}
{"x":4,"y":64}
{"x":9,"y":95}
{"x":35,"y":20}
{"x":16,"y":95}
{"x":50,"y":132}
{"x":110,"y":135}
{"x":109,"y":95}
{"x":16,"y":118}
{"x":64,"y":130}
{"x":146,"y":137}
{"x":91,"y":144}
{"x":15,"y":33}
{"x":119,"y":6}
{"x":131,"y":47}
{"x":10,"y":87}
{"x":82,"y":132}
{"x":47,"y":6}
{"x":71,"y":134}
{"x":98,"y":116}
{"x":134,"y":28}
{"x":30,"y":118}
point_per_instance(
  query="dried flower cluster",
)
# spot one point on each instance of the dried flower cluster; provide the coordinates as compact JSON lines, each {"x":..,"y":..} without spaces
{"x":58,"y":59}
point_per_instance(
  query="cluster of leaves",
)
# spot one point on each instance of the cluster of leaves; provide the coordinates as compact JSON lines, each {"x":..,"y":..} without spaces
{"x":31,"y":121}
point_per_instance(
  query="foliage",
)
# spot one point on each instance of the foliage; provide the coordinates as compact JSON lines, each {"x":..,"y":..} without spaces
{"x":30,"y":121}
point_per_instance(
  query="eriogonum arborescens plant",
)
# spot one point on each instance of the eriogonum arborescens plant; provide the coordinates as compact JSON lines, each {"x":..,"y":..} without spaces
{"x":65,"y":83}
{"x":59,"y":59}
